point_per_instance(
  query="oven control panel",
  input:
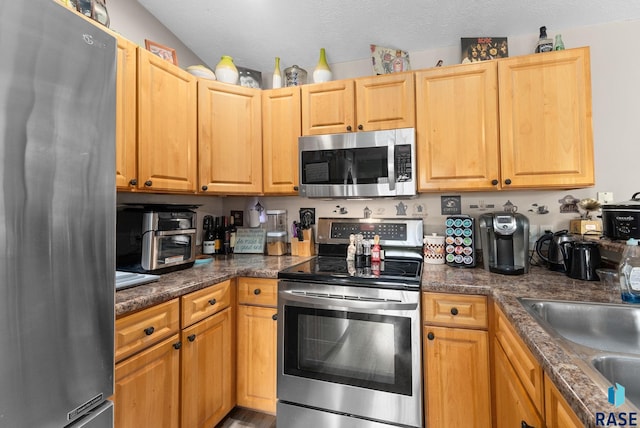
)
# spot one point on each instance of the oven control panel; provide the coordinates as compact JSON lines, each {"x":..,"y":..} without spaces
{"x":396,"y":232}
{"x":386,"y":231}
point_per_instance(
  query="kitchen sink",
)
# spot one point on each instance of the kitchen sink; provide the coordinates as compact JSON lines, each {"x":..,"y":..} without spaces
{"x":624,"y":370}
{"x":602,"y":326}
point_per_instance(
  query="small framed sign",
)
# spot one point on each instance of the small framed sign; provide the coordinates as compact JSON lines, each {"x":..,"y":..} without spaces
{"x":250,"y":241}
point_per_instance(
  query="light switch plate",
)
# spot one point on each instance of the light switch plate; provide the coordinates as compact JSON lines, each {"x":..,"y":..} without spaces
{"x":605,"y":197}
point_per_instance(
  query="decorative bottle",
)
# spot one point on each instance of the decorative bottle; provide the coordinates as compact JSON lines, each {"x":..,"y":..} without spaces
{"x":375,"y":250}
{"x":351,"y":249}
{"x":545,"y":44}
{"x":322,"y":72}
{"x":629,"y":272}
{"x":226,"y":70}
{"x":559,"y":44}
{"x":277,"y":76}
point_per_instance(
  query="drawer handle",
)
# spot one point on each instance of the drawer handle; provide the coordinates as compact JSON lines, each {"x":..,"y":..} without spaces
{"x":191,"y":337}
{"x":523,"y":424}
{"x":256,"y":291}
{"x":177,"y":345}
{"x":148,"y":183}
{"x":431,"y":336}
{"x":274,"y":317}
{"x":212,"y":302}
{"x":454,"y":311}
{"x":149,"y":331}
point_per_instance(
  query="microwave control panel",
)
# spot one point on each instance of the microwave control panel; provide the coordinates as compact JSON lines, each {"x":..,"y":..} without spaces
{"x":403,"y":163}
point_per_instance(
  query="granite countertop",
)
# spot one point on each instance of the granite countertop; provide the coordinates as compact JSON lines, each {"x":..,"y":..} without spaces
{"x":562,"y":365}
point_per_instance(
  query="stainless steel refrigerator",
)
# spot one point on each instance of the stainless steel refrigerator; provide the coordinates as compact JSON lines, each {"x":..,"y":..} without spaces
{"x":57,"y":218}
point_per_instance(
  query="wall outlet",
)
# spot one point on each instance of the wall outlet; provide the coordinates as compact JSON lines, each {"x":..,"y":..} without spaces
{"x":605,"y":197}
{"x":534,"y":234}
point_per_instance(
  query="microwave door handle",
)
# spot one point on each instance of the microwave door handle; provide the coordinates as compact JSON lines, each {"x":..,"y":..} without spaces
{"x":391,"y":166}
{"x":175,"y":232}
{"x":349,"y":304}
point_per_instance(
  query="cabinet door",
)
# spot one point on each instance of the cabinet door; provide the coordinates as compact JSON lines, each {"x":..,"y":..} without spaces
{"x":126,"y":97}
{"x":280,"y":131}
{"x":257,"y":358}
{"x":146,"y":387}
{"x":558,"y":414}
{"x":385,"y":102}
{"x":167,"y":145}
{"x":229,"y":139}
{"x":457,"y":128}
{"x":328,"y":108}
{"x":513,"y":405}
{"x":208,"y":370}
{"x":457,"y":376}
{"x":545,"y":120}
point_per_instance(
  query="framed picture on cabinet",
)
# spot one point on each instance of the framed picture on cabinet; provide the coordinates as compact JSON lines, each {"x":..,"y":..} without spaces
{"x":162,"y":51}
{"x":389,"y":60}
{"x":250,"y":78}
{"x":476,"y":49}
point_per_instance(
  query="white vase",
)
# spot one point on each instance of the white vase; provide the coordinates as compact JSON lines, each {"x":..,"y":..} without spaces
{"x":226,"y":70}
{"x":277,"y":76}
{"x":322,"y":72}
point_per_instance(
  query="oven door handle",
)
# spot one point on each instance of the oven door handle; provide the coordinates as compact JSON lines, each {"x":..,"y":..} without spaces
{"x":175,"y":232}
{"x":349,"y":303}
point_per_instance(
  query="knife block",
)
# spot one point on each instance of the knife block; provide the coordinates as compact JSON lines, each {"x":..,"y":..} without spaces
{"x":305,"y":248}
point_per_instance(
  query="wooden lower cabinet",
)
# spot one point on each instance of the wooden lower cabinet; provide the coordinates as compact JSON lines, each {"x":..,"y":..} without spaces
{"x":513,"y":405}
{"x":147,"y":390}
{"x":558,"y":414}
{"x":456,"y":365}
{"x":207,"y":370}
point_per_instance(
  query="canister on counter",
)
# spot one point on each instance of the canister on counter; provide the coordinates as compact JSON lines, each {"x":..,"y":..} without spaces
{"x":433,"y":249}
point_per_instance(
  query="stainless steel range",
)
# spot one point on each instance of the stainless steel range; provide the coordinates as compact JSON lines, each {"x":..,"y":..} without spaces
{"x":349,"y":350}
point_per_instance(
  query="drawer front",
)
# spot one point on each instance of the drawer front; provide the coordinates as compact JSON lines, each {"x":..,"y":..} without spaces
{"x":200,"y":304}
{"x":455,"y":310}
{"x":258,"y":291}
{"x":524,"y":364}
{"x":142,"y":329}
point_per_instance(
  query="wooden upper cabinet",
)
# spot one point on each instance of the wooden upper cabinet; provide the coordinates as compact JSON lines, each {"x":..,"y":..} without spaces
{"x":364,"y":104}
{"x":126,"y":97}
{"x":457,"y":127}
{"x":328,"y":108}
{"x":167,"y":126}
{"x":385,"y":102}
{"x":280,"y":131}
{"x":545,"y":120}
{"x":229,"y":139}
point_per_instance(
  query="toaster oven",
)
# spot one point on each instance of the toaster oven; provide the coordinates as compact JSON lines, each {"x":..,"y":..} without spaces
{"x":155,"y":238}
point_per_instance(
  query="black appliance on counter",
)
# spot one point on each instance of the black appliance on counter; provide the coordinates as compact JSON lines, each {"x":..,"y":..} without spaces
{"x":505,"y":242}
{"x":351,"y":331}
{"x":155,"y":238}
{"x":621,"y":221}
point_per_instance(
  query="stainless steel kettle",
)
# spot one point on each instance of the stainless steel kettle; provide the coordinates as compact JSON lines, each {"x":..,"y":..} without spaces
{"x":548,"y":248}
{"x":582,"y":258}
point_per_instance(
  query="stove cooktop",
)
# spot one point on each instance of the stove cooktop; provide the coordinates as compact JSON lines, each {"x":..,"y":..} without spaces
{"x":389,"y":273}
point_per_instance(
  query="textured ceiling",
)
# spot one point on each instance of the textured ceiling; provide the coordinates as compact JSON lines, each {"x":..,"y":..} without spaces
{"x":253,"y":32}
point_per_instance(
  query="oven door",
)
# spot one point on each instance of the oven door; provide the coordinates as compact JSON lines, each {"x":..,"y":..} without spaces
{"x":350,"y":350}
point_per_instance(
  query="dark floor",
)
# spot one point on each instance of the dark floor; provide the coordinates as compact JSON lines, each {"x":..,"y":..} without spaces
{"x":244,"y":418}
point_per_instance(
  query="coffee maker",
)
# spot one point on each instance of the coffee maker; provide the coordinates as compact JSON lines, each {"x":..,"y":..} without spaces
{"x":505,"y":242}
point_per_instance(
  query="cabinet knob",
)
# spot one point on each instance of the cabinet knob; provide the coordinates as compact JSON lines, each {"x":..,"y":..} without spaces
{"x":454,"y":311}
{"x":177,"y":345}
{"x":149,"y":331}
{"x":348,"y":127}
{"x":274,"y":317}
{"x":523,"y":424}
{"x":204,"y":188}
{"x":507,"y":181}
{"x":360,"y":127}
{"x":133,"y":182}
{"x":494,"y":182}
{"x":212,"y":302}
{"x":257,"y":291}
{"x":431,"y":336}
{"x":295,"y":188}
{"x":191,"y":337}
{"x":148,"y":183}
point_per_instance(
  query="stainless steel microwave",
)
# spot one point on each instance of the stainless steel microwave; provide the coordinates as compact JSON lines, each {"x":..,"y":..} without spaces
{"x":358,"y":164}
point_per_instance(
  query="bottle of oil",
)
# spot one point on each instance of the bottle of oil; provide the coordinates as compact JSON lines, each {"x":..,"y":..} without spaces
{"x":545,"y":44}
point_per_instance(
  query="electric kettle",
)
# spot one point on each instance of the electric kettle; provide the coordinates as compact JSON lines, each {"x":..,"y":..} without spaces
{"x":548,"y":248}
{"x":582,"y":258}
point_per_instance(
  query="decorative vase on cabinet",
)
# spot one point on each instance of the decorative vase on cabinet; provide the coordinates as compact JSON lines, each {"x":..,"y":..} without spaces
{"x":277,"y":76}
{"x":226,"y":70}
{"x":322,"y":72}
